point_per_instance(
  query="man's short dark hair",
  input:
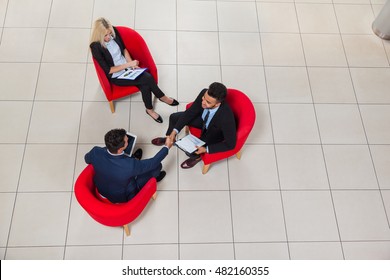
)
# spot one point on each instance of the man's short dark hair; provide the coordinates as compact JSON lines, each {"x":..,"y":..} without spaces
{"x":218,"y":91}
{"x":115,"y":139}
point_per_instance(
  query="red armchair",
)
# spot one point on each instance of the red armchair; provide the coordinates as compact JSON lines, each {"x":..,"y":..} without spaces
{"x":105,"y":212}
{"x":138,"y":50}
{"x":245,"y":116}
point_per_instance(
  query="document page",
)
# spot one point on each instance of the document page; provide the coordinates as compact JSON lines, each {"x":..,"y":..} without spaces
{"x":189,"y":143}
{"x":131,"y":74}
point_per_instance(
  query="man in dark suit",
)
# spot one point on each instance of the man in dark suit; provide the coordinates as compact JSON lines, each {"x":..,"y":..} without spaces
{"x":210,"y":113}
{"x":119,"y":177}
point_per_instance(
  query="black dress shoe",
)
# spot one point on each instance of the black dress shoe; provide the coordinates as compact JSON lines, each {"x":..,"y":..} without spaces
{"x":137,"y":154}
{"x":174,"y":102}
{"x":159,"y":141}
{"x":159,"y":119}
{"x":161,"y":176}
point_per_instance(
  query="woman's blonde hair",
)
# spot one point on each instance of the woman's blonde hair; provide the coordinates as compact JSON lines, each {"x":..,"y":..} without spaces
{"x":100,"y":28}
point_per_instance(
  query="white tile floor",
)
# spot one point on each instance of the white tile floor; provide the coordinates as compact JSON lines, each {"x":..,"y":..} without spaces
{"x":314,"y":178}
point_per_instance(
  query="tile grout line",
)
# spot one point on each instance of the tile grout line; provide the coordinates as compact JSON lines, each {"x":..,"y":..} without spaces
{"x":317,"y":123}
{"x":227,"y":160}
{"x":27,"y":133}
{"x":361,"y":116}
{"x":177,"y":155}
{"x":77,"y":148}
{"x":369,"y":146}
{"x":2,"y":28}
{"x":272,"y":131}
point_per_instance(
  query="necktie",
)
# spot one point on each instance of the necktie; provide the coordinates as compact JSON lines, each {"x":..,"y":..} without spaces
{"x":205,"y":121}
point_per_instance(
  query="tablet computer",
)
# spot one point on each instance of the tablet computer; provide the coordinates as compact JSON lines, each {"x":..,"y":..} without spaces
{"x":132,"y":138}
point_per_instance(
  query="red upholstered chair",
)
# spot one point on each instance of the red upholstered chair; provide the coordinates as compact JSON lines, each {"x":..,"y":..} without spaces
{"x":138,"y":50}
{"x":245,"y":116}
{"x":105,"y":212}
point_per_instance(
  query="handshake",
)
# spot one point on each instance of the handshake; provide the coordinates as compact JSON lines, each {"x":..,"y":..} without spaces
{"x":169,"y":141}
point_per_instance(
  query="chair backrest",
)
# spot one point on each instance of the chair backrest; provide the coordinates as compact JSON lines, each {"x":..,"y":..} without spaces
{"x":243,"y":111}
{"x":138,"y":50}
{"x":104,"y":83}
{"x":106,"y":213}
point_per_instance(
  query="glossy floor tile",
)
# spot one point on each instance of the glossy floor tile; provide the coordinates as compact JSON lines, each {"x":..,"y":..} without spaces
{"x":312,"y":183}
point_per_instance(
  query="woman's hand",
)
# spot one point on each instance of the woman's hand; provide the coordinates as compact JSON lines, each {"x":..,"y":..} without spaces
{"x":134,"y":64}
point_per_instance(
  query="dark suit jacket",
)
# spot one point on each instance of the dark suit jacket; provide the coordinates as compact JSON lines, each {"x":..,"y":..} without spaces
{"x":116,"y":176}
{"x":220,"y":136}
{"x":103,"y":56}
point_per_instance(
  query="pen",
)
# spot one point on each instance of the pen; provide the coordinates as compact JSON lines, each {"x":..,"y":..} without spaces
{"x":127,"y":74}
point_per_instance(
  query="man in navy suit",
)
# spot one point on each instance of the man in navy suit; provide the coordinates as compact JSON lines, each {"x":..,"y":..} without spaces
{"x":210,"y":113}
{"x":119,"y":177}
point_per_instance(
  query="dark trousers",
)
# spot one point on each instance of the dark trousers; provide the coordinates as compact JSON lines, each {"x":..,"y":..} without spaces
{"x":142,"y":179}
{"x":173,"y":118}
{"x":197,"y":122}
{"x":146,"y":84}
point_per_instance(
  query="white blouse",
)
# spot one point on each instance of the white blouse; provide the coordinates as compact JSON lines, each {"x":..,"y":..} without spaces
{"x":116,"y":55}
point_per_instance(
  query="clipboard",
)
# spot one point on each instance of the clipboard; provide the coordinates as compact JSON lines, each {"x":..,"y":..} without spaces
{"x":189,"y":143}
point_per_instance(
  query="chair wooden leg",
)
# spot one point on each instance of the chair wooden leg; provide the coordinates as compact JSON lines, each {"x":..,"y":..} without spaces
{"x":238,"y":155}
{"x":154,"y":196}
{"x":127,"y":229}
{"x":205,"y":168}
{"x":112,"y":106}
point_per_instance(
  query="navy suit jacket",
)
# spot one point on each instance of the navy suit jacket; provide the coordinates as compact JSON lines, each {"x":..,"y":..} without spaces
{"x":116,"y":175}
{"x":220,"y":135}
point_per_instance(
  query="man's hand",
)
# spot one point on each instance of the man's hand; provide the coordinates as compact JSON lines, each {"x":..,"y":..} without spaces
{"x":201,"y":150}
{"x":168,"y":142}
{"x":172,"y":136}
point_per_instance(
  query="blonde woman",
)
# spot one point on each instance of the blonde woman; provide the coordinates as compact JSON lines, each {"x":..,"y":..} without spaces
{"x":109,"y":51}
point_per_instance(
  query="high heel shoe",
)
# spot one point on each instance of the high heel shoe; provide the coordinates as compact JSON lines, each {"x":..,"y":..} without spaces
{"x":174,"y":102}
{"x":159,"y":119}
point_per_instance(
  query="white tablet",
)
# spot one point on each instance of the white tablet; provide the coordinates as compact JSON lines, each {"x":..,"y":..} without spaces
{"x":132,"y":138}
